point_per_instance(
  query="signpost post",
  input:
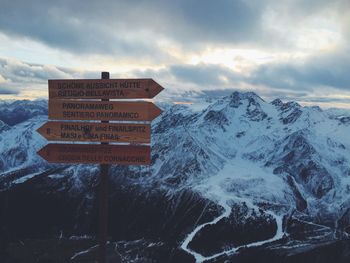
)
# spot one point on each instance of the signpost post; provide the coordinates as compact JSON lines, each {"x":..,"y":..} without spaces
{"x":74,"y":101}
{"x":103,"y":198}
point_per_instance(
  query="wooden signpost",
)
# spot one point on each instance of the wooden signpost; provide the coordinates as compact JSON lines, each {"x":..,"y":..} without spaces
{"x":72,"y":100}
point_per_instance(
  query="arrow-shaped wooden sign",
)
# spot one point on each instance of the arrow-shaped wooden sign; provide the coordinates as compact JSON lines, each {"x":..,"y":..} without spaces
{"x":102,"y":110}
{"x":96,"y":132}
{"x":96,"y":153}
{"x":103,"y":88}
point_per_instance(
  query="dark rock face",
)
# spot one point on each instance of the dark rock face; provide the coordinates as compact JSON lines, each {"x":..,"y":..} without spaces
{"x":317,"y":178}
{"x":292,"y":117}
{"x":216,"y":118}
{"x":298,"y":142}
{"x":290,"y":105}
{"x":235,"y":100}
{"x":345,"y":120}
{"x":254,"y":111}
{"x":243,"y":226}
{"x":277,"y":102}
{"x":300,"y":159}
{"x":290,"y":111}
{"x":300,"y":202}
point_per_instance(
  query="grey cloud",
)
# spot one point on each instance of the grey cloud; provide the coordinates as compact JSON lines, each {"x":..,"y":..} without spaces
{"x":329,"y":100}
{"x":325,"y":70}
{"x":218,"y":21}
{"x":215,"y":93}
{"x":7,"y":90}
{"x":296,"y":79}
{"x":310,"y":7}
{"x":288,"y":81}
{"x":297,"y":15}
{"x":204,"y":74}
{"x":103,"y":26}
{"x":17,"y":76}
{"x":131,"y":28}
{"x":83,"y":27}
{"x":16,"y":71}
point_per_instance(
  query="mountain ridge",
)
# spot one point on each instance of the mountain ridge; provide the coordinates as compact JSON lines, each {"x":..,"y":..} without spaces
{"x":289,"y":161}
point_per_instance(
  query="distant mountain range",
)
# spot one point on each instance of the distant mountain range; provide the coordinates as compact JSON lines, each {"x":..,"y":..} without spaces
{"x":234,"y":179}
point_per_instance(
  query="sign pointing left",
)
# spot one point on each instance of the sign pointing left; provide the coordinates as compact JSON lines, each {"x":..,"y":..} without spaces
{"x":96,"y":153}
{"x":96,"y":132}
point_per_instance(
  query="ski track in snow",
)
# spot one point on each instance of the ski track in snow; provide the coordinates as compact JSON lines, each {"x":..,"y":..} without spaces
{"x":199,"y":257}
{"x":215,"y":192}
{"x":84,"y":252}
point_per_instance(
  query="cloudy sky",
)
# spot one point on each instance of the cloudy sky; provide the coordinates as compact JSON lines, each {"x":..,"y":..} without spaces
{"x":291,"y":49}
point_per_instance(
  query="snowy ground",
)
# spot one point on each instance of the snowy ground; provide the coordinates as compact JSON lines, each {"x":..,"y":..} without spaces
{"x":219,"y":189}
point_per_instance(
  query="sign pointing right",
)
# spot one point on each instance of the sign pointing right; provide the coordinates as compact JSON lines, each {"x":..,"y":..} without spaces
{"x":103,"y":88}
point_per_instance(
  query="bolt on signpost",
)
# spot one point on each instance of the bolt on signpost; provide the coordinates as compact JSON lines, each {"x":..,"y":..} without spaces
{"x":74,"y":100}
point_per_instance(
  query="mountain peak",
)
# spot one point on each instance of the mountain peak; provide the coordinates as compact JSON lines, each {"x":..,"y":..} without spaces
{"x":277,"y":102}
{"x":245,"y":95}
{"x":236,"y":97}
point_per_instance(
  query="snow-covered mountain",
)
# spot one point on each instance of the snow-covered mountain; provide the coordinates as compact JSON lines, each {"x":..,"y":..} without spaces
{"x":13,"y":112}
{"x":229,"y":179}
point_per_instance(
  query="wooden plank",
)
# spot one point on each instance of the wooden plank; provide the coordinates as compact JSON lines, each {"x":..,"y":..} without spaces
{"x":96,"y":132}
{"x":96,"y":154}
{"x":102,"y":110}
{"x":103,"y":88}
